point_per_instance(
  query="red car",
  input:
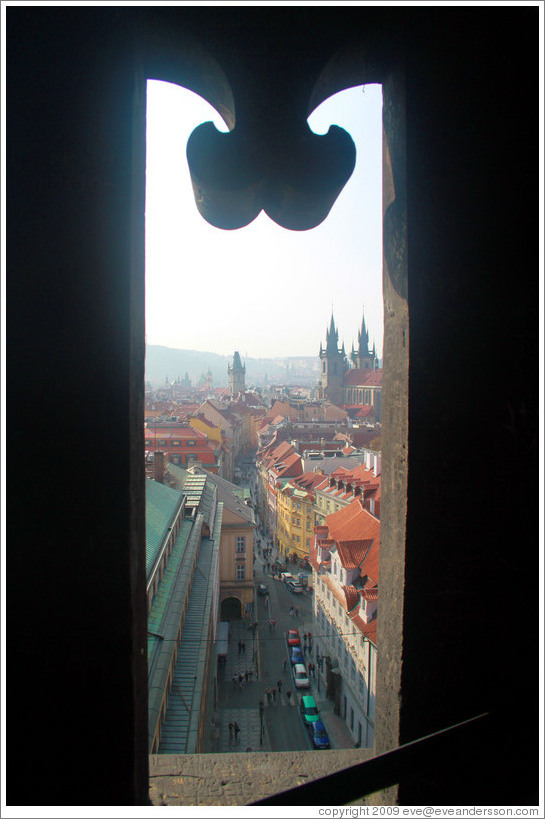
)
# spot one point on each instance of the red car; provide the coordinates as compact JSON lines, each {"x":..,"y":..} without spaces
{"x":292,"y":637}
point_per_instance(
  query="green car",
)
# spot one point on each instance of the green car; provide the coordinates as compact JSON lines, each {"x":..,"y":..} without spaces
{"x":309,"y":710}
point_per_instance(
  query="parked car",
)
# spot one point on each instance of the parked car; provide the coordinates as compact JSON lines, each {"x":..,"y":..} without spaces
{"x":292,"y":636}
{"x":296,"y":655}
{"x":262,"y":589}
{"x":285,"y":576}
{"x":309,"y":709}
{"x":294,"y":586}
{"x":318,"y":735}
{"x":300,"y":676}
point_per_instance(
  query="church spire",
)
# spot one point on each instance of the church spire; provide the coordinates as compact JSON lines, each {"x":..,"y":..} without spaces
{"x":332,"y":336}
{"x":363,"y":338}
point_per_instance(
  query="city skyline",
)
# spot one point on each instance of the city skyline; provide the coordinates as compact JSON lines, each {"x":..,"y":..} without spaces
{"x":262,"y":290}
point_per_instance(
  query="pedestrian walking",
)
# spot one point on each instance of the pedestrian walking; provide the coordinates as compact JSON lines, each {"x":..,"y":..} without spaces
{"x":274,"y":624}
{"x":244,"y":647}
{"x":304,"y":648}
{"x":279,"y":684}
{"x":288,"y":695}
{"x":291,"y":611}
{"x":234,"y":679}
{"x":284,"y":664}
{"x":305,"y":639}
{"x":274,"y":692}
{"x":230,"y":731}
{"x":268,"y":692}
{"x":246,"y":675}
{"x":236,"y":729}
{"x":297,"y":611}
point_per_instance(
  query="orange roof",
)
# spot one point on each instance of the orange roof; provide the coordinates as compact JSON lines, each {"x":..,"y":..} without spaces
{"x":352,"y":522}
{"x":287,"y":465}
{"x":363,"y":378}
{"x":365,"y":411}
{"x":352,"y":597}
{"x":369,"y":594}
{"x":355,"y":523}
{"x":352,"y":553}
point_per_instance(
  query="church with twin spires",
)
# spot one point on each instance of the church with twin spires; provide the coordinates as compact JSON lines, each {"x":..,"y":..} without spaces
{"x":350,"y":380}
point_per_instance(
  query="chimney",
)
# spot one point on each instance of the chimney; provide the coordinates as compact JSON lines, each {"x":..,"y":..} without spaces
{"x":159,"y":467}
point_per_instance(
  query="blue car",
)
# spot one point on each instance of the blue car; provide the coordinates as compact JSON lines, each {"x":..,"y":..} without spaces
{"x":318,"y":735}
{"x":296,"y":656}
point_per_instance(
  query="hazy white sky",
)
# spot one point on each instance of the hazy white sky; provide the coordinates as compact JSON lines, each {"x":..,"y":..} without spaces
{"x":262,"y":290}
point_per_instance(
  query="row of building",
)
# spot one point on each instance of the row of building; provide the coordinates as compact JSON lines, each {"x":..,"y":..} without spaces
{"x":199,"y":573}
{"x":317,"y":483}
{"x":322,"y":508}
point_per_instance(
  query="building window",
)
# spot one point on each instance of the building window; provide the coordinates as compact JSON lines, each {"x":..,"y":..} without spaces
{"x":241,"y":544}
{"x":241,"y":572}
{"x":191,"y":443}
{"x":176,"y":443}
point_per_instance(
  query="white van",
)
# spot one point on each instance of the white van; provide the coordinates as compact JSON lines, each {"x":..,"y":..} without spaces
{"x":300,"y":676}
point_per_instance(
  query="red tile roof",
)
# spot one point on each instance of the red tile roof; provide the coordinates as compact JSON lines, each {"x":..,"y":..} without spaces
{"x":352,"y":597}
{"x":288,"y":466}
{"x":363,"y":378}
{"x":352,"y":553}
{"x":370,"y":594}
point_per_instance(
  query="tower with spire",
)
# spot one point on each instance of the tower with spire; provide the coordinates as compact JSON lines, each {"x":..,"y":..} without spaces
{"x":363,"y":358}
{"x":236,"y":373}
{"x":333,"y":366}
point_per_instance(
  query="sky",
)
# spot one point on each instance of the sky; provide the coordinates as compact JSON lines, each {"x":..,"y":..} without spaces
{"x":262,"y":290}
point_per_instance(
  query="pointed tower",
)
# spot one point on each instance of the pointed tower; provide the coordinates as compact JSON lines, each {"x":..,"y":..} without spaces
{"x":333,"y":366}
{"x":365,"y":360}
{"x":236,"y":374}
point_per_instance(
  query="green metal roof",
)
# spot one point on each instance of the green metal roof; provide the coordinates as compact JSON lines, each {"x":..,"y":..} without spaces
{"x":162,"y":503}
{"x":164,"y":592}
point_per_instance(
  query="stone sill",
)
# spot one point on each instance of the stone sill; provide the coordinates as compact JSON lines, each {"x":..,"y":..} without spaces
{"x":241,"y":778}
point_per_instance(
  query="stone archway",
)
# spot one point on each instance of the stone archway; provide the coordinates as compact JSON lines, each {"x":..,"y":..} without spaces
{"x":231,"y":609}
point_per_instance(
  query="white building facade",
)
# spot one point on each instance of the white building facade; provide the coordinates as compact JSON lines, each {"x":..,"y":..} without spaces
{"x":345,"y":581}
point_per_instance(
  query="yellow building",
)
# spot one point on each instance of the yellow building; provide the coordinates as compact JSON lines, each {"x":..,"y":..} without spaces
{"x":295,"y":514}
{"x":212,"y":432}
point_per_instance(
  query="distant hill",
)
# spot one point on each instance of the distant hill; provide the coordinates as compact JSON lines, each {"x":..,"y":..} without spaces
{"x":167,"y":362}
